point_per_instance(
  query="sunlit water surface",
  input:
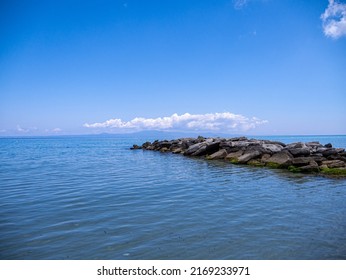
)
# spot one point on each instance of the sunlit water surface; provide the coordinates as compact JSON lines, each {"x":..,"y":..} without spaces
{"x":93,"y":198}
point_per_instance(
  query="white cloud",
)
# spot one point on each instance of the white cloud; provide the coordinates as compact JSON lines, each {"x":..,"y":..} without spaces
{"x":22,"y":130}
{"x":238,"y":4}
{"x":224,"y":122}
{"x":334,"y":19}
{"x":56,"y":130}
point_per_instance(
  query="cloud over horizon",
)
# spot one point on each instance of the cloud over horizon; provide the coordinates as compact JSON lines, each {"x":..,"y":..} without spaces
{"x":334,"y":20}
{"x":225,"y":122}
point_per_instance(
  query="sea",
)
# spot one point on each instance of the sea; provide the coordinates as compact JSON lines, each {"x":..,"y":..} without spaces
{"x":91,"y":197}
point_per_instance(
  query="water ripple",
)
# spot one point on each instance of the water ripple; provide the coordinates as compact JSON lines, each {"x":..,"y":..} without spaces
{"x":93,"y":198}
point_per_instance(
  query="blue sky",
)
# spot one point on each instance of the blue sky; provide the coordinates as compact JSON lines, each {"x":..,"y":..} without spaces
{"x":257,"y":67}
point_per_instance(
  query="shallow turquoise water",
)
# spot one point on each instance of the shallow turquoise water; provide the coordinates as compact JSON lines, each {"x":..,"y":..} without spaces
{"x":93,"y":198}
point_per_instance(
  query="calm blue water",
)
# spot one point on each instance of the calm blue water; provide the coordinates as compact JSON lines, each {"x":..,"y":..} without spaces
{"x":93,"y":198}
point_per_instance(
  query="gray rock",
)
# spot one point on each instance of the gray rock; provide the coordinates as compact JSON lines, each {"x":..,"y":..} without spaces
{"x":280,"y":159}
{"x":135,"y":147}
{"x":274,"y":142}
{"x":234,"y":155}
{"x":201,"y":151}
{"x":272,"y":148}
{"x":218,"y":155}
{"x":146,"y":144}
{"x":193,"y":148}
{"x":165,"y":144}
{"x":297,"y":145}
{"x":177,"y":151}
{"x":265,"y":157}
{"x":248,"y":155}
{"x":314,"y":144}
{"x":240,"y":144}
{"x":334,"y":163}
{"x":301,"y":161}
{"x":318,"y":158}
{"x":229,"y":148}
{"x":297,"y":152}
{"x":321,"y":149}
{"x":329,"y":152}
{"x":312,"y":167}
{"x":212,"y":147}
{"x":209,"y":140}
{"x":150,"y":148}
{"x":238,"y":138}
{"x":328,"y":145}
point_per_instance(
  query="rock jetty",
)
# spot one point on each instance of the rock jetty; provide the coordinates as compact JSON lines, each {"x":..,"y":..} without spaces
{"x":310,"y":157}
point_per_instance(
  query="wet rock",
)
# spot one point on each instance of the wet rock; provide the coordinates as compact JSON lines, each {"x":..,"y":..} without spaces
{"x":212,"y":147}
{"x":255,"y":162}
{"x":280,"y":159}
{"x":135,"y":147}
{"x":265,"y":157}
{"x":218,"y":155}
{"x":328,"y":145}
{"x":248,"y":155}
{"x":333,"y":163}
{"x":177,"y":151}
{"x":301,"y":161}
{"x":193,"y":148}
{"x":312,"y":167}
{"x":201,"y":151}
{"x":146,"y":144}
{"x":234,"y":156}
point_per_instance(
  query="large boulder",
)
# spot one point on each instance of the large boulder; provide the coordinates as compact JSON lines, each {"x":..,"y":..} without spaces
{"x":274,"y":142}
{"x":201,"y":151}
{"x":212,"y":147}
{"x":146,"y":145}
{"x":135,"y":147}
{"x":329,"y":152}
{"x":334,"y":163}
{"x":242,"y":138}
{"x":301,"y":161}
{"x":165,"y":144}
{"x":272,"y":148}
{"x":280,"y":159}
{"x":240,"y":144}
{"x":249,"y":154}
{"x":311,"y":167}
{"x":296,"y":145}
{"x":298,"y":152}
{"x":194,"y":148}
{"x":234,"y":156}
{"x":177,"y":150}
{"x":313,"y":144}
{"x":218,"y":155}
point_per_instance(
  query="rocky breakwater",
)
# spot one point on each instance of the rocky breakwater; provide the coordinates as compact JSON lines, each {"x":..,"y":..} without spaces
{"x":310,"y":157}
